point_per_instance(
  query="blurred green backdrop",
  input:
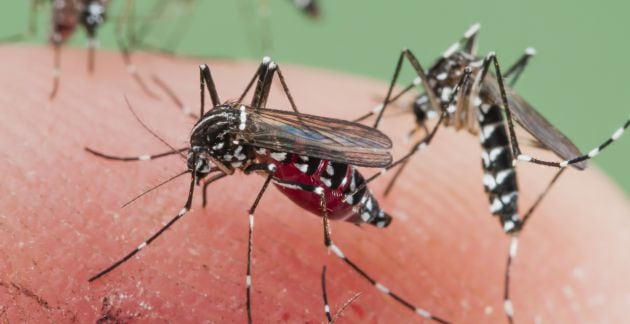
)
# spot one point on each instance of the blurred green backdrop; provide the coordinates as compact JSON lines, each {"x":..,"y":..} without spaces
{"x":578,"y":80}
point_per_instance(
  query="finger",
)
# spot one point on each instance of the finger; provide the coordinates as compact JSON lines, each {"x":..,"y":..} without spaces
{"x":61,"y":222}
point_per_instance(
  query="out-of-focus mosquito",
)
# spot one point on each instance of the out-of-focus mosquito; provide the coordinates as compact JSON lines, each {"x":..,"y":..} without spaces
{"x":66,"y":16}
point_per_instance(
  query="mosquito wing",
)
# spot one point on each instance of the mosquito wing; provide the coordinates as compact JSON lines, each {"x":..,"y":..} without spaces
{"x":319,"y":137}
{"x":532,"y":121}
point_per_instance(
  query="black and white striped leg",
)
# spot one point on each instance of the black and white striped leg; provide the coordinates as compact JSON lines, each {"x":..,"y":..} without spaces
{"x":206,"y":80}
{"x":325,"y":297}
{"x":508,"y":307}
{"x":143,"y":157}
{"x":469,"y":43}
{"x":264,"y":75}
{"x":380,"y":287}
{"x":56,"y":71}
{"x":517,"y":68}
{"x":270,"y":168}
{"x":422,"y":78}
{"x":144,"y":244}
{"x":591,"y":154}
{"x":491,"y":57}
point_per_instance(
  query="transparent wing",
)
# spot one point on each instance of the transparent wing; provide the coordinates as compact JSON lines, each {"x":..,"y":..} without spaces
{"x":320,"y":137}
{"x":533,"y":122}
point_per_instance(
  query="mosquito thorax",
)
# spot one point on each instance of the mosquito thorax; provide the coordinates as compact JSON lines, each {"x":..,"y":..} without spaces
{"x":92,"y":16}
{"x":215,"y":139}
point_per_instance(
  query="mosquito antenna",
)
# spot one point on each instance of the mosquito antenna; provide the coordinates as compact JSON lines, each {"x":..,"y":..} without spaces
{"x":151,"y":131}
{"x":155,"y":187}
{"x":325,"y":296}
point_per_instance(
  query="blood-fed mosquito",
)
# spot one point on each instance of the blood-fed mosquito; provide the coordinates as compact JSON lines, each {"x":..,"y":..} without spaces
{"x":489,"y":108}
{"x":310,"y":159}
{"x":65,"y":18}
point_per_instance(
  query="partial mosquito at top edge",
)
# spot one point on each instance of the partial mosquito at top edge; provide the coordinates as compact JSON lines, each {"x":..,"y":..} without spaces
{"x":490,"y":108}
{"x":66,"y":17}
{"x":310,"y":159}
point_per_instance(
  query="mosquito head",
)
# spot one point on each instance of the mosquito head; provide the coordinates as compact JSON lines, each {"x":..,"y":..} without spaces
{"x":92,"y":16}
{"x":199,"y":163}
{"x":448,"y":71}
{"x":212,"y":141}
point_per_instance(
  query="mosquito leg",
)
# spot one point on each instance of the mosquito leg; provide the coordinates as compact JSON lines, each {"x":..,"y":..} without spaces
{"x":591,"y":154}
{"x":270,"y":169}
{"x":285,"y":88}
{"x":406,"y":53}
{"x":143,"y":157}
{"x":469,"y":40}
{"x":264,"y":75}
{"x":144,"y":244}
{"x":56,"y":72}
{"x":519,"y":66}
{"x":491,"y":57}
{"x":325,"y":297}
{"x":205,"y":79}
{"x":391,"y":183}
{"x":338,"y":252}
{"x":131,"y":68}
{"x":207,"y":183}
{"x":513,"y":249}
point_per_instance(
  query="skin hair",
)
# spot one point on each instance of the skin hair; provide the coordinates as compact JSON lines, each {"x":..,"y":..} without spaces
{"x":61,"y":221}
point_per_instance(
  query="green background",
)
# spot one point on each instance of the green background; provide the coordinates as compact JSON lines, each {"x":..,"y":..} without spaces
{"x":579,"y":79}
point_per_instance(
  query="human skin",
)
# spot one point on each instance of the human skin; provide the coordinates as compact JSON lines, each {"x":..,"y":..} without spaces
{"x":61,"y":219}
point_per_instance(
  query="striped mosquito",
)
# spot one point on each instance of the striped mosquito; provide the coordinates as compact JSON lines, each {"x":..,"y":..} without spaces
{"x":310,"y":159}
{"x":490,"y":109}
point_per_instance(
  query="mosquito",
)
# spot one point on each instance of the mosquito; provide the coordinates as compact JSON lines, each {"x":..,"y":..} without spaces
{"x":66,"y":17}
{"x":309,"y":7}
{"x":310,"y":159}
{"x":488,"y":108}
